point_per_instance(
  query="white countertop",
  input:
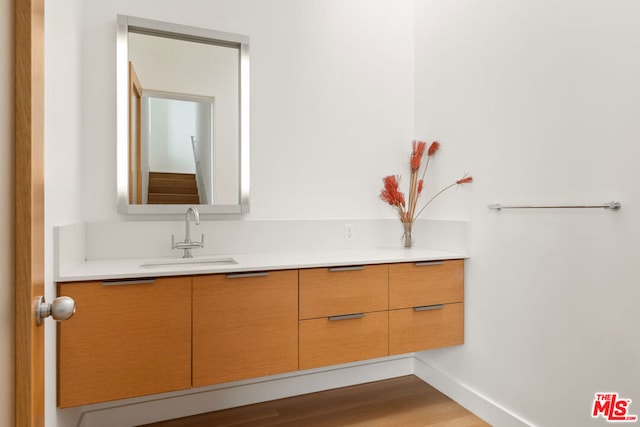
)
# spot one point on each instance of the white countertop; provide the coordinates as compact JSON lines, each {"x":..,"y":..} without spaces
{"x":132,"y":268}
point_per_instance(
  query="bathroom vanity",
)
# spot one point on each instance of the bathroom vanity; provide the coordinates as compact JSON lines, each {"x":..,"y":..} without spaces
{"x":141,"y":331}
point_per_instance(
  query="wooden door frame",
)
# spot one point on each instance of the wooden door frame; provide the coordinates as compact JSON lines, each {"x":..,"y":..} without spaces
{"x":135,"y":137}
{"x":29,"y":210}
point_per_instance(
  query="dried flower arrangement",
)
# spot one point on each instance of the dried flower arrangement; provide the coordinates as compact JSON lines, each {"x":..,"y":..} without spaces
{"x":392,"y":195}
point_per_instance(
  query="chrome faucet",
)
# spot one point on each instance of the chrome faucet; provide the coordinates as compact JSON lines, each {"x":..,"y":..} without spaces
{"x":187,"y":244}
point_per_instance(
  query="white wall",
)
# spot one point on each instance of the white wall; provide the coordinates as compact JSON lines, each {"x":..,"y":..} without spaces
{"x":172,"y":123}
{"x":7,"y":296}
{"x":540,"y":100}
{"x":64,"y":148}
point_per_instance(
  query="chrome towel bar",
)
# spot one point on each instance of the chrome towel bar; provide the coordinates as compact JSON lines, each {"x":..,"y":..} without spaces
{"x":614,"y":206}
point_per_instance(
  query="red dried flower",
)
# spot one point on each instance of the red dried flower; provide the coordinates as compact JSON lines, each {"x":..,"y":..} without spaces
{"x":416,"y":154}
{"x":435,"y":145}
{"x":390,"y":193}
{"x":391,"y":182}
{"x":465,"y":180}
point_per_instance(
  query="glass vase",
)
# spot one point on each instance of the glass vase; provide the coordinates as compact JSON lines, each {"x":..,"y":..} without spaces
{"x":407,"y":237}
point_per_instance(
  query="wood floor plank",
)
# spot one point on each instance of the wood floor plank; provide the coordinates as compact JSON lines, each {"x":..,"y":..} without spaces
{"x":404,"y":401}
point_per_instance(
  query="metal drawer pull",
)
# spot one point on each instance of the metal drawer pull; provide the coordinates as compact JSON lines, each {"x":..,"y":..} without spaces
{"x":429,"y":307}
{"x":243,"y":275}
{"x":347,"y":316}
{"x":128,"y":282}
{"x":428,"y":263}
{"x":348,"y":268}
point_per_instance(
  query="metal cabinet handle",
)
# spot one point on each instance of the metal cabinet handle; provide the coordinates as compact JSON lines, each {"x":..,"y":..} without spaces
{"x":243,"y":275}
{"x":429,"y":307}
{"x":348,"y":268}
{"x":347,"y":316}
{"x":128,"y":282}
{"x":428,"y":263}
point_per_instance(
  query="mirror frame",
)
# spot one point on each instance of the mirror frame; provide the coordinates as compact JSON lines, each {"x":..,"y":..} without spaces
{"x":182,"y":32}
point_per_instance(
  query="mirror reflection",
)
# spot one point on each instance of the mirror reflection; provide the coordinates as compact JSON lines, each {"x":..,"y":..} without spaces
{"x":177,"y":148}
{"x":187,"y":118}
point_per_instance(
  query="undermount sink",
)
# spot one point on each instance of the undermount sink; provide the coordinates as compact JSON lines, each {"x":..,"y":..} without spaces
{"x":190,"y":261}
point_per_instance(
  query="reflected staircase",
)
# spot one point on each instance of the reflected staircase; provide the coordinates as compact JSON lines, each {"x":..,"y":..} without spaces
{"x":173,"y":188}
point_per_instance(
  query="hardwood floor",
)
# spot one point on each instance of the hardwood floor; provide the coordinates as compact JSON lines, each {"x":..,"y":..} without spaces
{"x":398,"y":402}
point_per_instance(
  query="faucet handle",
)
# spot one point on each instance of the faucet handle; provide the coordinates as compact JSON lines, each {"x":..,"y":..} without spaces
{"x":199,"y":244}
{"x":178,"y":245}
{"x":185,"y":244}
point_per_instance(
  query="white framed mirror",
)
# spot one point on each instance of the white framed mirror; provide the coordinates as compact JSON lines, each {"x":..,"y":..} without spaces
{"x":182,"y":118}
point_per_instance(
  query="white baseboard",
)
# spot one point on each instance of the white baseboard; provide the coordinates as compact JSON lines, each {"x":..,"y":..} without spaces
{"x":131,"y":412}
{"x":479,"y":405}
{"x":146,"y":410}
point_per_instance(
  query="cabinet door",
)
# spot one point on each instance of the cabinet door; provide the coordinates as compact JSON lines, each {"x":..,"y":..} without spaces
{"x":424,"y":328}
{"x":328,"y":341}
{"x":244,"y":326}
{"x":127,"y":339}
{"x":343,"y":290}
{"x":426,"y":283}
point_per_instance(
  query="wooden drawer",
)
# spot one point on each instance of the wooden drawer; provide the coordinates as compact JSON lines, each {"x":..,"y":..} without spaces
{"x":327,"y":342}
{"x":127,"y":339}
{"x":343,"y":290}
{"x":244,"y":326}
{"x":428,"y":283}
{"x":425,"y":328}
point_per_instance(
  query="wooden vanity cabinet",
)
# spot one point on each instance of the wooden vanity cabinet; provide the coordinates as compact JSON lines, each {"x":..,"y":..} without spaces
{"x":244,"y":326}
{"x":343,"y":314}
{"x":426,"y":307}
{"x":127,"y":338}
{"x":139,"y":337}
